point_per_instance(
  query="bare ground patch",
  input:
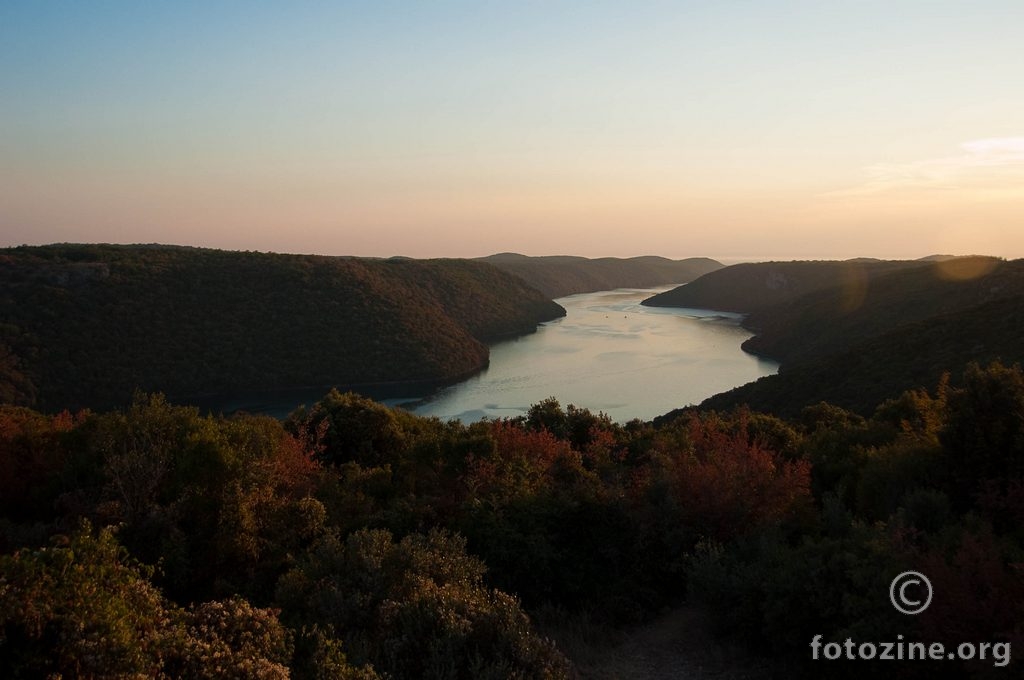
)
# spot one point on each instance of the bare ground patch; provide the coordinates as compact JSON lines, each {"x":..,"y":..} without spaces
{"x":677,"y":645}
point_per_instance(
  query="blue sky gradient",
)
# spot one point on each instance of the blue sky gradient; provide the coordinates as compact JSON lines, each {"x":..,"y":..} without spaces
{"x":464,"y":128}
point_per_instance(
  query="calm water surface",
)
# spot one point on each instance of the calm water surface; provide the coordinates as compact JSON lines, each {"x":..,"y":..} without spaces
{"x":608,"y":354}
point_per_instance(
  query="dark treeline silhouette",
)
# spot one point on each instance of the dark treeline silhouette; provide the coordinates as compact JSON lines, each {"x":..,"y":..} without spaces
{"x":356,"y":541}
{"x":865,"y":330}
{"x":757,"y":286}
{"x":351,"y":540}
{"x":86,"y":325}
{"x":560,"y":275}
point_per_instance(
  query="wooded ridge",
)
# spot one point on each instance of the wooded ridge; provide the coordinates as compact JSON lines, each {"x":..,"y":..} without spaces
{"x":86,"y":325}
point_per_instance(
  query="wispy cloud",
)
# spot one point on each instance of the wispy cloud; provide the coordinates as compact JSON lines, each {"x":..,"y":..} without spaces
{"x":995,"y":161}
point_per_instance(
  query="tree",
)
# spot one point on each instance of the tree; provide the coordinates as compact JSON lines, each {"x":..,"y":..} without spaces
{"x":83,"y":609}
{"x":984,"y":432}
{"x":87,"y":609}
{"x":348,"y":427}
{"x":416,"y":608}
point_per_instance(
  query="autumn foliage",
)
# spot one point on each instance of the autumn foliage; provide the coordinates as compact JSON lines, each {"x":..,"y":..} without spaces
{"x":357,"y":541}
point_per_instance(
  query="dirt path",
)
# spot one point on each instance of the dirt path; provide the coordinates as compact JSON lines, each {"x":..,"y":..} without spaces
{"x":676,"y":645}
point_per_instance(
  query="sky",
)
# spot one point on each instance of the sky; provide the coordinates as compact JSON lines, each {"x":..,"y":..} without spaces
{"x":757,"y":130}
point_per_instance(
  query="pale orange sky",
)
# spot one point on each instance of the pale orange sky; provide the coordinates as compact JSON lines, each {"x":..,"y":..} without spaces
{"x":733,"y":129}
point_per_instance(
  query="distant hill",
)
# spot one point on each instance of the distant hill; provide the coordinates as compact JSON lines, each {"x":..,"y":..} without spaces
{"x":85,"y":325}
{"x":873,"y":334}
{"x":751,"y":287}
{"x":911,"y":356}
{"x":938,"y":258}
{"x":560,"y":275}
{"x":836,"y":318}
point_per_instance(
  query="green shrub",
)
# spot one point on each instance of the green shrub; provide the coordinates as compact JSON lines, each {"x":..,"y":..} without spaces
{"x":416,"y":608}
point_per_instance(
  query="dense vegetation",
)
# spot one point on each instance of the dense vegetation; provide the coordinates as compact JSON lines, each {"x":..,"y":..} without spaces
{"x":561,"y":275}
{"x":356,"y":541}
{"x":916,"y":353}
{"x":87,"y":325}
{"x":866,"y":330}
{"x":836,"y":318}
{"x":758,"y":286}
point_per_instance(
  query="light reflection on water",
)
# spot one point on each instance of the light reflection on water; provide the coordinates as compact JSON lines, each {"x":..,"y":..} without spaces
{"x":611,"y":354}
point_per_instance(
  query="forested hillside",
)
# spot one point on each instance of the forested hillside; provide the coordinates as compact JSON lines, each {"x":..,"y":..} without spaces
{"x":753,"y":287}
{"x":356,"y":541}
{"x":910,"y":355}
{"x":836,"y":318}
{"x":86,"y":325}
{"x":561,"y":275}
{"x":865,"y":330}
